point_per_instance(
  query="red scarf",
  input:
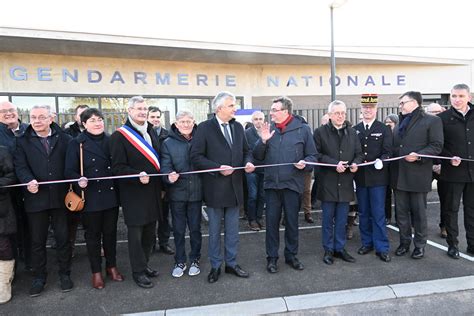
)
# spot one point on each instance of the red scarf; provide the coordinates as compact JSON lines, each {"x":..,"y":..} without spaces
{"x":281,"y":126}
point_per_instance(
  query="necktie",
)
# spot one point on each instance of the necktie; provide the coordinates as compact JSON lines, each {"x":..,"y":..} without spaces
{"x":226,"y":134}
{"x":44,"y":141}
{"x":366,"y":127}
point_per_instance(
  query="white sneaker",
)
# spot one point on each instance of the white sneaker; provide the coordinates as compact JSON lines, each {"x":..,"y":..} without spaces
{"x":178,"y":270}
{"x":194,"y":268}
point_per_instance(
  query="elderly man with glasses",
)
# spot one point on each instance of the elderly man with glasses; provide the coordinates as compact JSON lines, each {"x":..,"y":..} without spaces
{"x":416,"y":133}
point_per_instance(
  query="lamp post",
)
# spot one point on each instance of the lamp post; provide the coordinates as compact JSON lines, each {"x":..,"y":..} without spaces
{"x":334,"y":4}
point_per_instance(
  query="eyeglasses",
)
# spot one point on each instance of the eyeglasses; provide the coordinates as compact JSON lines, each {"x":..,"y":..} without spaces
{"x":39,"y":118}
{"x":5,"y":111}
{"x":276,"y":110}
{"x":402,"y":103}
{"x":187,"y":122}
{"x":338,"y":113}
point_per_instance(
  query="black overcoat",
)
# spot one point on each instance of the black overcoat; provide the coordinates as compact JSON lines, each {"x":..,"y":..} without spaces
{"x":7,"y":177}
{"x":99,"y":194}
{"x":423,"y":135}
{"x":209,"y":150}
{"x":33,"y":163}
{"x":141,"y":203}
{"x":376,"y":144}
{"x":458,"y":141}
{"x":333,"y":146}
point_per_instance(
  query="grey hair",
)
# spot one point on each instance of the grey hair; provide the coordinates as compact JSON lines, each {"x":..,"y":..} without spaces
{"x":462,"y":86}
{"x":184,"y":113}
{"x":254,"y":114}
{"x":134,"y":100}
{"x":46,"y":107}
{"x":220,"y":98}
{"x":334,"y":103}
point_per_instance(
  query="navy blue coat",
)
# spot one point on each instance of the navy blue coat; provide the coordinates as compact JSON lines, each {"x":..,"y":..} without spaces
{"x":209,"y":150}
{"x":7,"y":137}
{"x":33,"y":163}
{"x":295,"y":143}
{"x":376,"y":143}
{"x":252,"y":138}
{"x":99,"y":194}
{"x":175,"y":157}
{"x":334,"y":146}
{"x":7,"y":177}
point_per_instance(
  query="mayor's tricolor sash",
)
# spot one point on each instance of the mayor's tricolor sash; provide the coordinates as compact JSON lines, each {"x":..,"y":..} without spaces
{"x":141,"y":145}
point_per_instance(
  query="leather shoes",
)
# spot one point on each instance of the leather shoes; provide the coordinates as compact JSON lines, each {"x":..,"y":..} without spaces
{"x":143,"y":281}
{"x":166,"y":249}
{"x":402,"y":250}
{"x":418,"y":253}
{"x":214,"y":275}
{"x":470,"y":250}
{"x":365,"y":250}
{"x":344,"y":255}
{"x":151,"y":273}
{"x":272,"y":265}
{"x":237,"y":270}
{"x":328,"y":257}
{"x":295,"y":263}
{"x":384,"y":256}
{"x":97,"y":281}
{"x":308,"y":218}
{"x":114,"y":274}
{"x":453,"y":252}
{"x":253,"y":225}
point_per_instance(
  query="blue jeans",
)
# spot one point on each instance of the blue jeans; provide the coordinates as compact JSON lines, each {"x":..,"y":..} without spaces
{"x":182,"y":214}
{"x":290,"y":201}
{"x":334,"y":225}
{"x":373,"y":231}
{"x":231,"y":235}
{"x":256,"y":196}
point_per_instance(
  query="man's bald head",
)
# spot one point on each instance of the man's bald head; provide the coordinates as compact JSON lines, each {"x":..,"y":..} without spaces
{"x":434,"y":109}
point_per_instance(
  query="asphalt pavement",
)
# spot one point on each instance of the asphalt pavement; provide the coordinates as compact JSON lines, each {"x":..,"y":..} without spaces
{"x":170,"y":293}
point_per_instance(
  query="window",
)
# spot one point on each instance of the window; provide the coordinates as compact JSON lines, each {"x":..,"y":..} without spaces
{"x":25,"y":103}
{"x":199,"y":107}
{"x":167,"y":107}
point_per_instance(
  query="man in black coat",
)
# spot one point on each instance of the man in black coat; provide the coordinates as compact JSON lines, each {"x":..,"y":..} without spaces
{"x":287,"y":140}
{"x":220,"y":143}
{"x":134,"y":149}
{"x":76,"y":128}
{"x":458,"y":127}
{"x":163,"y":231}
{"x":371,"y":181}
{"x":337,"y":143}
{"x":40,"y":156}
{"x":416,"y":133}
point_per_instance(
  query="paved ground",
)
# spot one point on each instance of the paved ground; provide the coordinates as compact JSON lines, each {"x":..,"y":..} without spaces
{"x":170,"y":293}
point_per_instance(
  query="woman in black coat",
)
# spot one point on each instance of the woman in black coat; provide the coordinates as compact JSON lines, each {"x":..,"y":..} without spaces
{"x":7,"y":225}
{"x":100,"y":213}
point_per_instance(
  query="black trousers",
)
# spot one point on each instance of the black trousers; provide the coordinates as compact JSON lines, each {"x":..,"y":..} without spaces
{"x":454,"y":192}
{"x":442,"y":191}
{"x":39,"y":223}
{"x":101,"y":230}
{"x":6,"y":250}
{"x":140,"y":243}
{"x":411,"y":211}
{"x":21,"y":241}
{"x":164,"y":229}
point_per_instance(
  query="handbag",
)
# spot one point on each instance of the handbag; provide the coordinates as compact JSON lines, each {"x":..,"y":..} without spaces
{"x":73,"y":201}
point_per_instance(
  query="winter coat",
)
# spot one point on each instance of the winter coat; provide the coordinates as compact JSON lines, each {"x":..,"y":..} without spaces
{"x":7,"y":177}
{"x":295,"y":143}
{"x":175,"y":157}
{"x":33,"y":163}
{"x":333,"y":146}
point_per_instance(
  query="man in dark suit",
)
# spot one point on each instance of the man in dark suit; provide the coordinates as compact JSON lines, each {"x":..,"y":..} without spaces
{"x":220,"y":143}
{"x":458,"y":127}
{"x":134,"y":149}
{"x":163,"y":231}
{"x":376,"y":141}
{"x":40,"y":156}
{"x":416,"y":133}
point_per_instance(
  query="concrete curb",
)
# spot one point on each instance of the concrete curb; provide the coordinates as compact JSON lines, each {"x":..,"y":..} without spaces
{"x":320,"y":300}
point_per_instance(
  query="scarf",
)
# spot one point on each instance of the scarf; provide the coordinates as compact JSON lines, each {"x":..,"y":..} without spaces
{"x":143,"y":129}
{"x":282,"y":126}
